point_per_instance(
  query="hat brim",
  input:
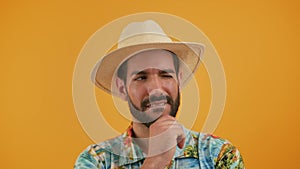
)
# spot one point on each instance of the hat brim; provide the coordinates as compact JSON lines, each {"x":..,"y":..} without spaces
{"x":103,"y":73}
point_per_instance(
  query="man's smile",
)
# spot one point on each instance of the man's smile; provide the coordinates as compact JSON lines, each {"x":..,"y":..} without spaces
{"x":156,"y":104}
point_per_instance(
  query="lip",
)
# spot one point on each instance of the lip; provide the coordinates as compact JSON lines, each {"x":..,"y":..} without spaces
{"x":156,"y":104}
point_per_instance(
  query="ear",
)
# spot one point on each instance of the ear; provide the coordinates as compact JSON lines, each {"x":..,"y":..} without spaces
{"x":180,"y":79}
{"x":121,"y":88}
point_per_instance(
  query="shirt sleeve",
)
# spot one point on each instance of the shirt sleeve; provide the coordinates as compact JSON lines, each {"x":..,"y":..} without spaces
{"x":88,"y":160}
{"x":229,"y":158}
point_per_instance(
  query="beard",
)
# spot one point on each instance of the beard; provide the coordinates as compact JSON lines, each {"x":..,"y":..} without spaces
{"x":147,"y":119}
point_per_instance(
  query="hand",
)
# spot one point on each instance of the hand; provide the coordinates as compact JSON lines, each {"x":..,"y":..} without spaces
{"x":165,"y":134}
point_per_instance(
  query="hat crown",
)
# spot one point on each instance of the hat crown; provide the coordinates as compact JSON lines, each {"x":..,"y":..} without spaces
{"x":141,"y":36}
{"x":142,"y":32}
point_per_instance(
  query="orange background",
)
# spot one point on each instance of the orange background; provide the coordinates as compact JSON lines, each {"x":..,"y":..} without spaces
{"x":258,"y":43}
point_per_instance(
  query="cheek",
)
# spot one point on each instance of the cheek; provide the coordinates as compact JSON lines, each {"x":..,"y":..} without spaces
{"x":135,"y":93}
{"x":172,"y":89}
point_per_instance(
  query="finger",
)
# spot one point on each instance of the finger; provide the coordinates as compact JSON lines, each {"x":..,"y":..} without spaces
{"x":180,"y":141}
{"x":165,"y":127}
{"x":165,"y":118}
{"x":181,"y":138}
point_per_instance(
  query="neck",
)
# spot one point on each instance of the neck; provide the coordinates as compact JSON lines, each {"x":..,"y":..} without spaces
{"x":140,"y":132}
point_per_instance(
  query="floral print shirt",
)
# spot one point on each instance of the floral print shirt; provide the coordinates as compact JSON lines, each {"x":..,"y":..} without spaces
{"x":200,"y":151}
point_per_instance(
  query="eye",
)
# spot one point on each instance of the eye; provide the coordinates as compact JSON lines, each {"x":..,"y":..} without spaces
{"x":140,"y":78}
{"x":166,"y":76}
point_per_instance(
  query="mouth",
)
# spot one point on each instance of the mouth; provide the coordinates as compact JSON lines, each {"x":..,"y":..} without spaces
{"x":156,"y":105}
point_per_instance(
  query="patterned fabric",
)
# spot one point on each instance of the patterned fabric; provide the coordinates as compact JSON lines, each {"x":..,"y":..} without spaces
{"x":200,"y":150}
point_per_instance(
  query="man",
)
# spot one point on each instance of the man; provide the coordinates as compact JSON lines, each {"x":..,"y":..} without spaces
{"x":148,"y":70}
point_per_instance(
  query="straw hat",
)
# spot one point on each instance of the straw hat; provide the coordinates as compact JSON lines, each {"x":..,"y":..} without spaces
{"x":141,"y":36}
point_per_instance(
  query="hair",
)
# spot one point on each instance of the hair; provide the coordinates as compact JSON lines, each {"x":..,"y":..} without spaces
{"x":122,"y":70}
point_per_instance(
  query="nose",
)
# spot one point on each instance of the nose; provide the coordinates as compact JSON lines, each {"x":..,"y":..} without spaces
{"x":154,"y":86}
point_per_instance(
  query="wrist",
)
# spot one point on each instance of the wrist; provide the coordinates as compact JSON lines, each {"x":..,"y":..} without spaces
{"x":153,"y":163}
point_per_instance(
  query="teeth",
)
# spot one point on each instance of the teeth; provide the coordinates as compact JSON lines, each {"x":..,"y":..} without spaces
{"x":157,"y":104}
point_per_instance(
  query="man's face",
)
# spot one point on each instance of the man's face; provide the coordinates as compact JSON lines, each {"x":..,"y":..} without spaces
{"x":152,"y":86}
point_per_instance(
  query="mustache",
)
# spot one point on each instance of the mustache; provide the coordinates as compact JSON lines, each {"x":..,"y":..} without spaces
{"x":154,"y":98}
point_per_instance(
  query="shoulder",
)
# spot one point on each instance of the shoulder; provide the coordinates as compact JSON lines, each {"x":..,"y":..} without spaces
{"x":219,"y":152}
{"x":98,"y":155}
{"x":207,"y":142}
{"x":211,"y":143}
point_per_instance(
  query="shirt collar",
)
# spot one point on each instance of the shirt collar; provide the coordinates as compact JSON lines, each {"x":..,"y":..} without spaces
{"x":131,"y":152}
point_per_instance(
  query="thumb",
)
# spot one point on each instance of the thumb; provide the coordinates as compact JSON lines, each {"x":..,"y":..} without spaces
{"x":180,"y":141}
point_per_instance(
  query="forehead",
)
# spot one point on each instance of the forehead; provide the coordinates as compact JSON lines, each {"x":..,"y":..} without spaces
{"x":157,"y":59}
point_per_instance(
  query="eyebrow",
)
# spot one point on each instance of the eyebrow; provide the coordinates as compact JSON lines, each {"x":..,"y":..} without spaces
{"x":144,"y":72}
{"x":138,"y":73}
{"x":167,"y":71}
